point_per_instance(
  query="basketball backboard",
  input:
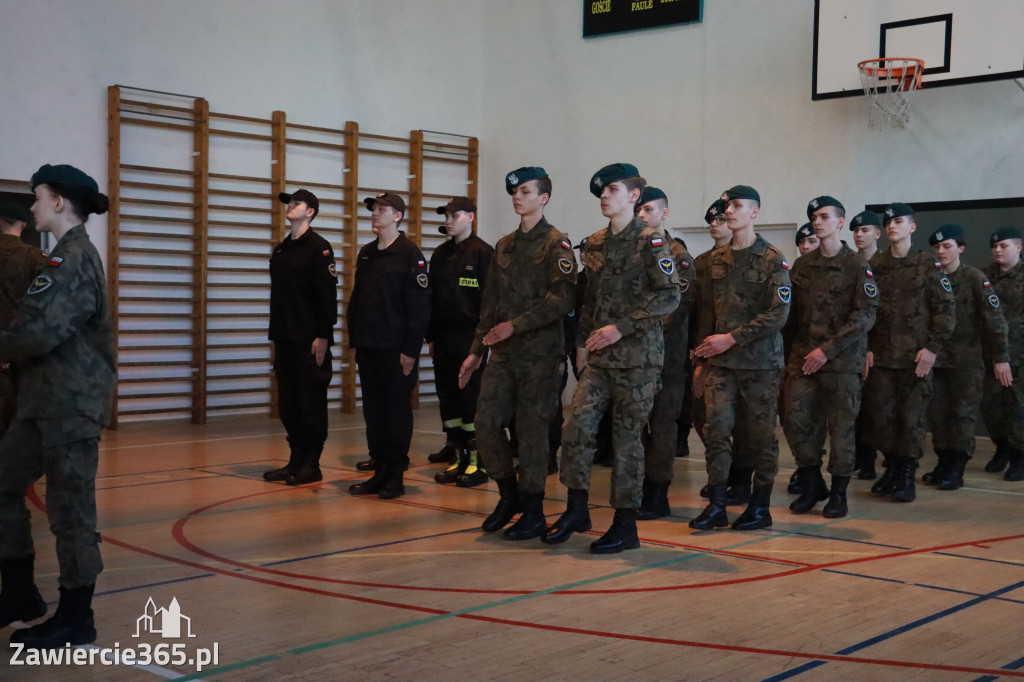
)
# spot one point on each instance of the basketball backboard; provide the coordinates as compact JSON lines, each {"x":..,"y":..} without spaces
{"x":960,"y":41}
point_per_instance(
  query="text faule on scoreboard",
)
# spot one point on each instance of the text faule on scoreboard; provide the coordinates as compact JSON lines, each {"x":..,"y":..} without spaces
{"x":601,"y":17}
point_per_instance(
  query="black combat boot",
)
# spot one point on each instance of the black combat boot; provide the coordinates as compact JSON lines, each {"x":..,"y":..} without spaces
{"x":705,"y":491}
{"x":903,"y":489}
{"x":737,"y":494}
{"x":655,"y":501}
{"x":758,"y":512}
{"x":453,"y":439}
{"x":366,"y":465}
{"x":531,"y":523}
{"x":1015,"y":471}
{"x":836,"y":508}
{"x":953,"y":476}
{"x":797,"y":482}
{"x":714,"y":515}
{"x":815,"y":491}
{"x":622,"y":534}
{"x":884,"y":485}
{"x":939,"y":472}
{"x":295,"y":458}
{"x":309,"y":472}
{"x":372,"y":485}
{"x":72,"y":623}
{"x":19,"y":596}
{"x":864,"y":461}
{"x":394,"y":483}
{"x":575,"y":518}
{"x":507,"y":507}
{"x":456,"y":469}
{"x":1001,"y":457}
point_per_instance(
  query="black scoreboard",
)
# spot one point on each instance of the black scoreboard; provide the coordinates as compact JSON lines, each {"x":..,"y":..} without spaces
{"x":601,"y":17}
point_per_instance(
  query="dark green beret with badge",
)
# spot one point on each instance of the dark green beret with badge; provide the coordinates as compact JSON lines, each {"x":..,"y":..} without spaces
{"x":946,"y":232}
{"x":610,"y":174}
{"x":741,"y":192}
{"x":804,"y":232}
{"x":821,"y":202}
{"x":865,"y":218}
{"x":521,"y":175}
{"x":13,"y":211}
{"x":717,"y":208}
{"x":652,"y":194}
{"x":62,"y":174}
{"x":897,"y":210}
{"x":1004,"y":233}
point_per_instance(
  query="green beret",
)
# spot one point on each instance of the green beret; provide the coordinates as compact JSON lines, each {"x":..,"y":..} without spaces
{"x":1004,"y":233}
{"x":610,"y":174}
{"x":650,"y":194}
{"x":821,"y":202}
{"x":741,"y":192}
{"x":717,"y":208}
{"x":865,"y":218}
{"x":946,"y":232}
{"x":63,"y":174}
{"x":521,"y":175}
{"x":897,"y":210}
{"x":804,"y":232}
{"x":13,"y":211}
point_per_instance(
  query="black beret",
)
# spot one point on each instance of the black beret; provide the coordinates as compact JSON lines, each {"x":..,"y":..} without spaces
{"x":13,"y":211}
{"x":1004,"y":233}
{"x":717,"y":208}
{"x":821,"y":202}
{"x":521,"y":175}
{"x":897,"y":210}
{"x":650,"y":194}
{"x":63,"y":174}
{"x":804,"y":232}
{"x":865,"y":218}
{"x":946,"y":232}
{"x":610,"y":174}
{"x":740,"y":192}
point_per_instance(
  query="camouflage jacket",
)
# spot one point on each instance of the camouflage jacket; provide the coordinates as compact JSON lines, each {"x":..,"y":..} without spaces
{"x":633,"y":285}
{"x":19,"y":264}
{"x":532,"y":284}
{"x":746,"y":293}
{"x":62,"y":337}
{"x":916,"y":308}
{"x":1009,"y":287}
{"x":676,"y":324}
{"x":834,"y":304}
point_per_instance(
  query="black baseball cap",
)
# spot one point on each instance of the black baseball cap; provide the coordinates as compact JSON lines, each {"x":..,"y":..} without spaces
{"x":455,"y":205}
{"x":387,"y":199}
{"x":303,"y":195}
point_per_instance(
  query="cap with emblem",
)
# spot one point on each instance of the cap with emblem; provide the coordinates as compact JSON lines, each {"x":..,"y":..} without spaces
{"x":1004,"y":233}
{"x":717,"y":208}
{"x":454,"y":206}
{"x":13,"y":212}
{"x":865,"y":218}
{"x":897,"y":210}
{"x":610,"y":174}
{"x":63,"y":174}
{"x":386,"y":199}
{"x":821,"y":202}
{"x":582,"y":245}
{"x":804,"y":232}
{"x":741,"y":192}
{"x":946,"y":232}
{"x":521,"y":175}
{"x":303,"y":195}
{"x":651,"y":194}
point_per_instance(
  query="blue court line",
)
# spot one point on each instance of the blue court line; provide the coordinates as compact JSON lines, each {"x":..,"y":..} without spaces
{"x":938,"y":588}
{"x":1004,"y":562}
{"x":896,"y":632}
{"x":1013,"y":665}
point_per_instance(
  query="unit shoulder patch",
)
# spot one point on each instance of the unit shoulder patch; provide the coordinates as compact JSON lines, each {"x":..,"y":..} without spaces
{"x":946,"y":284}
{"x":40,"y":284}
{"x":667,"y":265}
{"x":422,"y":280}
{"x":870,"y":289}
{"x":785,"y":293}
{"x":565,"y":265}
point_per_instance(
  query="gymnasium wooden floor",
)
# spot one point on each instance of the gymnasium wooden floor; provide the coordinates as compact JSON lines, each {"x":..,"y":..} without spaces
{"x":312,"y":583}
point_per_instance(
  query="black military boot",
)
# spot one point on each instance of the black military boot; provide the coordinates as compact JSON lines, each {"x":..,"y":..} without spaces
{"x":797,"y":482}
{"x":366,"y":465}
{"x":295,"y":458}
{"x":456,"y":469}
{"x":836,"y":508}
{"x":575,"y":518}
{"x":622,"y":534}
{"x":903,"y":489}
{"x":815,"y":491}
{"x":19,"y":596}
{"x":394,"y":483}
{"x":935,"y":475}
{"x":953,"y":476}
{"x":864,"y":461}
{"x":737,"y":493}
{"x":884,"y":485}
{"x":1015,"y":471}
{"x":72,"y":623}
{"x":655,"y":501}
{"x":758,"y":512}
{"x":309,"y":472}
{"x":453,"y":439}
{"x":1000,"y":459}
{"x":714,"y":515}
{"x":531,"y":523}
{"x":507,"y":507}
{"x":474,"y":474}
{"x":372,"y":485}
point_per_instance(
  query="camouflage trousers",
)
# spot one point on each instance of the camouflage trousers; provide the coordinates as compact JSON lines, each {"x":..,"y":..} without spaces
{"x":527,"y":387}
{"x":742,"y":405}
{"x":1003,"y":408}
{"x":953,"y":410}
{"x":896,"y":402}
{"x":820,"y":404}
{"x":663,"y":426}
{"x":65,"y":451}
{"x":630,"y":394}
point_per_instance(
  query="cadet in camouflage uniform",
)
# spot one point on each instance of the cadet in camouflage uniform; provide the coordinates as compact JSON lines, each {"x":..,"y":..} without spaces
{"x":1002,"y":404}
{"x":530,"y":288}
{"x":62,"y":342}
{"x":960,"y":368}
{"x":19,"y":264}
{"x":621,"y":347}
{"x":660,"y":450}
{"x":834,"y":303}
{"x":745,"y":296}
{"x":915,"y":320}
{"x":806,"y":240}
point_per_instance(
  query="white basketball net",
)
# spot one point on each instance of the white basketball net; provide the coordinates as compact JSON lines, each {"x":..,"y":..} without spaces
{"x":888,"y":85}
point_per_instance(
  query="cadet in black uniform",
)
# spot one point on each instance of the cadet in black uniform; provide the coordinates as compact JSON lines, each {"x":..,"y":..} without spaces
{"x":303,"y":312}
{"x":458,"y":271}
{"x":388,"y":316}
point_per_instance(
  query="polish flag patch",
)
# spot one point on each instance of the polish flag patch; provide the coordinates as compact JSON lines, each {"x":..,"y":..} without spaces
{"x":869,"y":273}
{"x":566,"y":245}
{"x":421,"y":264}
{"x":938,"y":265}
{"x":657,"y":241}
{"x":56,"y":261}
{"x":785,"y":265}
{"x":987,"y":284}
{"x":327,"y":252}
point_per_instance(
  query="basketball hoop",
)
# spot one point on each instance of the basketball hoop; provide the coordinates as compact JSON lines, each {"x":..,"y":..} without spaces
{"x":888,"y":84}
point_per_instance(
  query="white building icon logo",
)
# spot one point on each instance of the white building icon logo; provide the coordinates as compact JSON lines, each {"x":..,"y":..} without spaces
{"x":164,"y":622}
